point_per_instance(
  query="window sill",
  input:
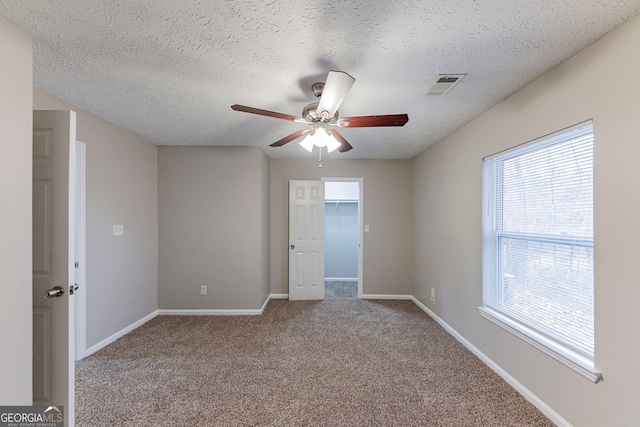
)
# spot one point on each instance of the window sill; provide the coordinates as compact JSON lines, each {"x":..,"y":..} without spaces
{"x":569,"y":358}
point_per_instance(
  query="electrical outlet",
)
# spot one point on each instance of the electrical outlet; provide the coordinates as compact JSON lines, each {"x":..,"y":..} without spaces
{"x":433,"y":296}
{"x":203,"y":290}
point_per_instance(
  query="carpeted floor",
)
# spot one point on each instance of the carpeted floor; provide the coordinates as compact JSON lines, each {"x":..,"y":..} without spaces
{"x":338,"y":362}
{"x":340,"y":289}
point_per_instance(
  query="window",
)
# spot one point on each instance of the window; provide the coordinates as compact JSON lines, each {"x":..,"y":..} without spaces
{"x":538,"y":245}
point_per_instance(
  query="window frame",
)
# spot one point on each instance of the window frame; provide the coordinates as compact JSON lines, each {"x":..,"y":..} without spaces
{"x":579,"y":361}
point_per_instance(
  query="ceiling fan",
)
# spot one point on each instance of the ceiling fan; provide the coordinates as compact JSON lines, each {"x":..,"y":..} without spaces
{"x":324,"y":113}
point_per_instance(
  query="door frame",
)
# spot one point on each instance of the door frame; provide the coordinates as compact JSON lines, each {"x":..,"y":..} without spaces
{"x":360,"y":182}
{"x":81,"y":244}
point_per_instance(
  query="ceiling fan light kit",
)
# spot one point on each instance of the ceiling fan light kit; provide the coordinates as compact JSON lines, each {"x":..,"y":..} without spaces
{"x":320,"y":137}
{"x":324,"y":113}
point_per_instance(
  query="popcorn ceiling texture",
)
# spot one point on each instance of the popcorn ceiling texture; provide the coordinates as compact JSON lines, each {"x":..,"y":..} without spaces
{"x":168,"y":70}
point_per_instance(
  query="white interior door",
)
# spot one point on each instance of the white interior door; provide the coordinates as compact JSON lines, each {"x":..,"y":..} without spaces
{"x":54,"y":137}
{"x":306,"y":240}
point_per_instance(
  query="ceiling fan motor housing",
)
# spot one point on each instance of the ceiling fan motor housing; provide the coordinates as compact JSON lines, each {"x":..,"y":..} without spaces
{"x":310,"y":114}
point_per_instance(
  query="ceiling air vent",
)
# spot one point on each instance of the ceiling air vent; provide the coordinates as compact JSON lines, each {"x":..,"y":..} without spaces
{"x":443,"y":83}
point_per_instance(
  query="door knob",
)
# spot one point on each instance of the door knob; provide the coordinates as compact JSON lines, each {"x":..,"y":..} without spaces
{"x":293,"y":246}
{"x":56,"y":291}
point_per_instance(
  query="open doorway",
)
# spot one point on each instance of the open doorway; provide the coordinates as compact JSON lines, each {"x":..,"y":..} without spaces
{"x":343,"y":237}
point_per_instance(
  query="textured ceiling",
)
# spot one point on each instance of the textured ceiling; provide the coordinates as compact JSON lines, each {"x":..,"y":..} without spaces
{"x":169,"y":70}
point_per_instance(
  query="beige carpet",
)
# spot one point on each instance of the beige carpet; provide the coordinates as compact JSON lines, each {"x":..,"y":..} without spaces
{"x":338,"y":362}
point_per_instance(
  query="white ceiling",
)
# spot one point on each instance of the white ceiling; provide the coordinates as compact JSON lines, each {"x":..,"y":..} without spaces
{"x":169,"y":70}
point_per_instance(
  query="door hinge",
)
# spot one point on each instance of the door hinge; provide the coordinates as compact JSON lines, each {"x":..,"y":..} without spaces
{"x":76,"y":264}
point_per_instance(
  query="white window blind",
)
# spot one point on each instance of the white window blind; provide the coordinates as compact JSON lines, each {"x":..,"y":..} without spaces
{"x":538,"y":239}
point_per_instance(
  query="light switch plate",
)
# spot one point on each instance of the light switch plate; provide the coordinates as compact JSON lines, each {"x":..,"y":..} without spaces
{"x":118,"y":230}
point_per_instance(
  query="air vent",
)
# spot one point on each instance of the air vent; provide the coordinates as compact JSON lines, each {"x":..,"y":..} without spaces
{"x":443,"y":83}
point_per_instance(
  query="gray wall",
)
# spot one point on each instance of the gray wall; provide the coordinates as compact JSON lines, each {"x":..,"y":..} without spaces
{"x":341,"y":239}
{"x":15,"y":215}
{"x":213,"y":204}
{"x":388,"y":209}
{"x":448,"y":226}
{"x":122,"y":272}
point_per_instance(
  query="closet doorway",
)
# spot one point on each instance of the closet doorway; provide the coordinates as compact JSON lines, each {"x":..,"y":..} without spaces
{"x":343,"y":237}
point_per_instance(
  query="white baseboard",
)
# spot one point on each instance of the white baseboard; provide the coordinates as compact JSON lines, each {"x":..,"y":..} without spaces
{"x":385,"y":296}
{"x":535,"y":400}
{"x":105,"y":342}
{"x":210,"y":312}
{"x":216,"y":311}
{"x":341,"y":279}
{"x":279,"y":296}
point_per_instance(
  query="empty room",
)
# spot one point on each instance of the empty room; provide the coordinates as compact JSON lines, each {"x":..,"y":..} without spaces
{"x":319,"y":213}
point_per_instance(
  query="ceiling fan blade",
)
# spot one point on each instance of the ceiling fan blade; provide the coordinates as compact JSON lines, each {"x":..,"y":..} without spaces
{"x":373,"y":121}
{"x":335,"y":89}
{"x":267,"y":113}
{"x":289,"y":138}
{"x":344,"y":145}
